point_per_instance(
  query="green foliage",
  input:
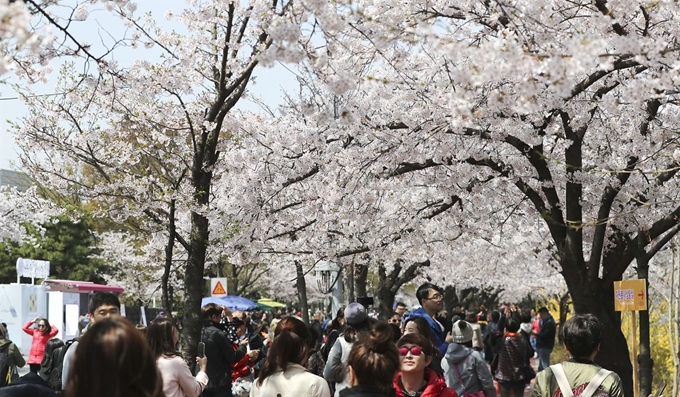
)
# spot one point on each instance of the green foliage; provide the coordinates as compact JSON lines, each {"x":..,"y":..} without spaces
{"x":559,"y":353}
{"x":659,"y":342}
{"x":69,"y":246}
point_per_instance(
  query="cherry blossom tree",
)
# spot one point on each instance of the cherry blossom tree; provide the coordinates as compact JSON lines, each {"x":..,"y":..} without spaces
{"x":558,"y":112}
{"x":18,"y":208}
{"x":566,"y":111}
{"x":146,"y":141}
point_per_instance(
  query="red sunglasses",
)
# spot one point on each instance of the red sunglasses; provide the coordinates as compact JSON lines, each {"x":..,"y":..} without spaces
{"x":415,"y":350}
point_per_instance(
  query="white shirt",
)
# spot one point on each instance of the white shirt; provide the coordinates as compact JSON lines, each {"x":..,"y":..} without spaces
{"x":294,"y":382}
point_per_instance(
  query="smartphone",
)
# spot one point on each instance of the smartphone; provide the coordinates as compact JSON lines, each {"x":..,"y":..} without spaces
{"x":660,"y":389}
{"x":201,"y":349}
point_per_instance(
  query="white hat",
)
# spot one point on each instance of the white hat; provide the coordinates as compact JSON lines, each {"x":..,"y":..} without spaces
{"x":461,"y":332}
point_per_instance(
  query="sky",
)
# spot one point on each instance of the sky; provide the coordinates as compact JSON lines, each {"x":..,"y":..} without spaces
{"x":271,"y":82}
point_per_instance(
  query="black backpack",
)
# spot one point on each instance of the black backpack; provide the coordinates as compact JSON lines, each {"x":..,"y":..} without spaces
{"x":5,"y":370}
{"x":54,"y":373}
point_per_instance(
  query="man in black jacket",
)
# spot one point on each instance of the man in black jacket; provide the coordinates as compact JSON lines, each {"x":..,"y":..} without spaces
{"x":545,"y":338}
{"x":219,"y":351}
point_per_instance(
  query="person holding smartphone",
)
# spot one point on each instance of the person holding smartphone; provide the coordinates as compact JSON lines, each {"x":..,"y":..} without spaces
{"x":219,"y":351}
{"x":178,"y":381}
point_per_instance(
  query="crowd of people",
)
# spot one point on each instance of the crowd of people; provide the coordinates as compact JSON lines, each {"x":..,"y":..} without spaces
{"x":417,"y":353}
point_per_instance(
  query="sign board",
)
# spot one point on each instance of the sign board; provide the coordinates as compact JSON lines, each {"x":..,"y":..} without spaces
{"x":218,"y":287}
{"x":33,"y":268}
{"x":630,"y":295}
{"x":19,"y":304}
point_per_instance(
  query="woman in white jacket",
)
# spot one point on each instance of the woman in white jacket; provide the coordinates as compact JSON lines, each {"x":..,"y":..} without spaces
{"x":177,"y":378}
{"x":465,"y":370}
{"x":283,"y":373}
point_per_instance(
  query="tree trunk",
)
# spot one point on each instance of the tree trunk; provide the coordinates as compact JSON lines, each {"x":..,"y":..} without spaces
{"x":193,"y":287}
{"x":360,"y":280}
{"x":348,"y":278}
{"x":302,"y":292}
{"x":646,"y":364}
{"x":385,"y":298}
{"x":389,"y":284}
{"x":166,"y":302}
{"x":598,"y":299}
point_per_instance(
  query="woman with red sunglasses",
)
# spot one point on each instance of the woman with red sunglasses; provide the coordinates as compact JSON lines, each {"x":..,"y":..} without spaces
{"x":415,"y":378}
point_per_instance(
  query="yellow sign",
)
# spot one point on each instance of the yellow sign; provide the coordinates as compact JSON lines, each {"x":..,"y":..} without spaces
{"x":630,"y":295}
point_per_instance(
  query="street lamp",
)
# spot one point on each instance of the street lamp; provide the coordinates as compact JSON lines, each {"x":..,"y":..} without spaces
{"x":328,"y":281}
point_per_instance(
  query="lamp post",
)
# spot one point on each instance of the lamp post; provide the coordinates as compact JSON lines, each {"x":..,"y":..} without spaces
{"x":329,"y":281}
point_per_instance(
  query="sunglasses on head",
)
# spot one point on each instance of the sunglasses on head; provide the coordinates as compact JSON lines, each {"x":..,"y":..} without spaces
{"x":415,"y":350}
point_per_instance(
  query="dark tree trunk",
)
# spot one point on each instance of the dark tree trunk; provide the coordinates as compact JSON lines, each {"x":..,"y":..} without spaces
{"x":166,"y":301}
{"x":360,"y":280}
{"x":389,"y":284}
{"x":385,"y":300}
{"x":348,"y":280}
{"x":598,"y":299}
{"x":302,"y":292}
{"x":645,"y":362}
{"x":193,"y":286}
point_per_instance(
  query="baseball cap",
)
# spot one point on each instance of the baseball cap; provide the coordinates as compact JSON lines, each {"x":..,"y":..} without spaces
{"x":355,"y":313}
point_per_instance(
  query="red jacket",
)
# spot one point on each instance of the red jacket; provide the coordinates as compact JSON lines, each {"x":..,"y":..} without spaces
{"x":241,"y":368}
{"x":436,"y":387}
{"x":39,"y":342}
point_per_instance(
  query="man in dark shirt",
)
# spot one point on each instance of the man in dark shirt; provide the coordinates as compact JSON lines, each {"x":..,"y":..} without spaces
{"x":545,"y":338}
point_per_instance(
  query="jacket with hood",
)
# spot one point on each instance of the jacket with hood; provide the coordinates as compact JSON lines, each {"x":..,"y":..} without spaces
{"x":436,"y":387}
{"x":13,"y":354}
{"x":474,"y":372}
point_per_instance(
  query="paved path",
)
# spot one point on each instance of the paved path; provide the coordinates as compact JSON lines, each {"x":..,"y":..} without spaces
{"x":23,"y":371}
{"x":534,"y":363}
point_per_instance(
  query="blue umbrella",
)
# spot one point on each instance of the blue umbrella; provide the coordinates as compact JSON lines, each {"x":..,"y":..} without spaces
{"x":210,"y":299}
{"x":233,"y":302}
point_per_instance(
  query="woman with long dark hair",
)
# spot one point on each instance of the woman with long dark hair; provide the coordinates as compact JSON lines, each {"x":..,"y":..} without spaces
{"x":114,"y":360}
{"x":178,"y":381}
{"x":283,"y":373}
{"x":48,"y":362}
{"x":41,"y":333}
